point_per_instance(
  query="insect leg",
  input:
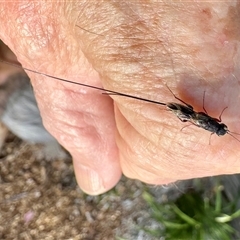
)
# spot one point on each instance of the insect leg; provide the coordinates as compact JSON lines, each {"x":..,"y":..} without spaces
{"x":186,"y":126}
{"x":210,"y":138}
{"x":204,"y":103}
{"x":220,"y":117}
{"x":216,"y":119}
{"x":182,"y":120}
{"x":180,"y":99}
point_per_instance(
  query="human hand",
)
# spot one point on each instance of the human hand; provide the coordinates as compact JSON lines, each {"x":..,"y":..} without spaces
{"x":138,"y":49}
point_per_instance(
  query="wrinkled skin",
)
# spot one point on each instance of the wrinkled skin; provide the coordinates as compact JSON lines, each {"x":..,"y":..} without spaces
{"x":136,"y":48}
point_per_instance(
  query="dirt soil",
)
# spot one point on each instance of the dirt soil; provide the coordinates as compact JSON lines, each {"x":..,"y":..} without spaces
{"x":40,"y":199}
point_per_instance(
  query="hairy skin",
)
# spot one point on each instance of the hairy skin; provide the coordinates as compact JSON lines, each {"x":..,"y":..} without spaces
{"x":135,"y":48}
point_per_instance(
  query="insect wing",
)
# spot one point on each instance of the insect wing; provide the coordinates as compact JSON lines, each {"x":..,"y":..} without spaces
{"x":184,"y":113}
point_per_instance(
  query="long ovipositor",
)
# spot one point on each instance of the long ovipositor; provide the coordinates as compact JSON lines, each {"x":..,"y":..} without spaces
{"x":105,"y":91}
{"x":184,"y":112}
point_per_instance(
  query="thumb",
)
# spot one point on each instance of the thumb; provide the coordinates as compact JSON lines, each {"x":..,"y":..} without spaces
{"x":81,"y":119}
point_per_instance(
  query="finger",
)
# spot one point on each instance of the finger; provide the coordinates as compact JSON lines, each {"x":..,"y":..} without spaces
{"x":81,"y":119}
{"x":163,"y":153}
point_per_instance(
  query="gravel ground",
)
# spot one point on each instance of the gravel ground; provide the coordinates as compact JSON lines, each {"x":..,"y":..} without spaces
{"x":40,"y":199}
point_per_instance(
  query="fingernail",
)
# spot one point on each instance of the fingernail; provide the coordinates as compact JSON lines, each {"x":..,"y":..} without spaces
{"x":90,"y":181}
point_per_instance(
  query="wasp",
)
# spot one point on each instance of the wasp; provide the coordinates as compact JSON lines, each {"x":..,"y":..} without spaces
{"x":185,"y":112}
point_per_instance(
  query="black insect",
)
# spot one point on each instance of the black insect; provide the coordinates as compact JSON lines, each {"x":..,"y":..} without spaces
{"x":185,"y":112}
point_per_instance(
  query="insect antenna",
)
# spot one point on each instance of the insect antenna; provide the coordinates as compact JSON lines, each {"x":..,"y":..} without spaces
{"x":234,"y":133}
{"x":231,"y":134}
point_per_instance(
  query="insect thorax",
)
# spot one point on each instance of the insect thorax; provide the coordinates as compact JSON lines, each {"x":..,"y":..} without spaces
{"x":208,"y":123}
